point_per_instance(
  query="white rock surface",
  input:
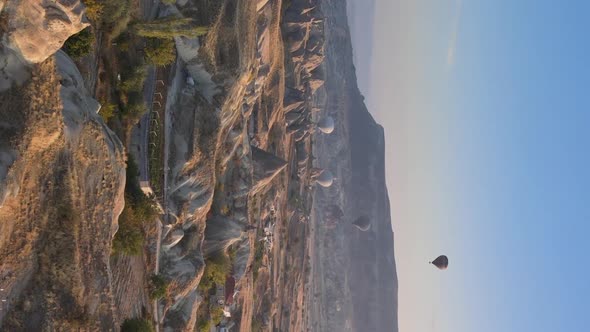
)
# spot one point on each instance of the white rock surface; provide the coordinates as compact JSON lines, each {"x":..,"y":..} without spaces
{"x":37,"y":29}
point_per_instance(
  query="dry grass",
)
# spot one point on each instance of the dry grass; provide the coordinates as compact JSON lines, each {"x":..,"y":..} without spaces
{"x":56,"y":229}
{"x":55,"y":296}
{"x":26,"y":111}
{"x":230,"y":44}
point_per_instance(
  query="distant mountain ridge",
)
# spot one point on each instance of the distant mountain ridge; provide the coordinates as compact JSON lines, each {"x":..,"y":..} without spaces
{"x":359,"y":272}
{"x":361,"y":15}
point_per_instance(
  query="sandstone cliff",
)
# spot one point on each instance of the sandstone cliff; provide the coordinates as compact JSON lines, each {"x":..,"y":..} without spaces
{"x":62,"y":174}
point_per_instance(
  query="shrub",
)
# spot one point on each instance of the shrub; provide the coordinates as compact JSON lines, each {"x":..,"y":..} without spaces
{"x":123,"y":41}
{"x":80,"y":44}
{"x":132,"y":187}
{"x":133,"y":78}
{"x":160,"y":52}
{"x":225,"y":210}
{"x":217,"y":267}
{"x":139,"y":208}
{"x":115,"y":10}
{"x":133,"y":111}
{"x":110,"y":16}
{"x":216,"y":314}
{"x":137,"y":325}
{"x":119,"y":26}
{"x":94,"y":10}
{"x":107,"y":111}
{"x":258,"y":255}
{"x":168,"y":2}
{"x":158,"y":287}
{"x":129,"y":237}
{"x":131,"y":92}
{"x":145,"y":208}
{"x":203,"y":325}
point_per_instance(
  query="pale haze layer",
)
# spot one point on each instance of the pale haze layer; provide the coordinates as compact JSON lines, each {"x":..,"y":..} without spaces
{"x":394,"y":82}
{"x":485,"y":111}
{"x":360,"y":21}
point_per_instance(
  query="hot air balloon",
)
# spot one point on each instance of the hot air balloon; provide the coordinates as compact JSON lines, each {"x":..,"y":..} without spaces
{"x":325,"y":178}
{"x":326,"y":125}
{"x":442,"y":262}
{"x":363,"y":223}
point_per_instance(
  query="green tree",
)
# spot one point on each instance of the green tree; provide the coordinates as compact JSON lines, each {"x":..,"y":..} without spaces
{"x":203,"y":325}
{"x":160,"y":52}
{"x":138,"y":209}
{"x":130,"y":92}
{"x":114,"y":11}
{"x":137,"y":325}
{"x":158,"y":287}
{"x":116,"y":25}
{"x":80,"y":44}
{"x":107,"y":111}
{"x":129,"y":237}
{"x":94,"y":10}
{"x":217,"y":267}
{"x":133,"y":78}
{"x":134,"y":110}
{"x":170,"y":27}
{"x":216,"y":314}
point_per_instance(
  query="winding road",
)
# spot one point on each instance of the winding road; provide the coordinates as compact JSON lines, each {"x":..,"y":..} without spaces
{"x":149,"y":8}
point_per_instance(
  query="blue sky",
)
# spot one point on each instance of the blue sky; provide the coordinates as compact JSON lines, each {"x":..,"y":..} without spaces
{"x":488,"y":159}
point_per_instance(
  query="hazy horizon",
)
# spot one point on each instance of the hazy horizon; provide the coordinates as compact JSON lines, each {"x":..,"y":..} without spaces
{"x":361,"y":32}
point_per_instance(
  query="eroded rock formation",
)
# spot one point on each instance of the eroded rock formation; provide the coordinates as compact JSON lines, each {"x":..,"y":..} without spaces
{"x":62,"y":174}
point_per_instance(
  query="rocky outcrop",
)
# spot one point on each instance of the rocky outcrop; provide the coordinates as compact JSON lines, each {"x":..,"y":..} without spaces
{"x":191,"y":182}
{"x":32,"y":31}
{"x":294,"y":100}
{"x":62,"y":195}
{"x":303,"y":30}
{"x":303,"y":34}
{"x":37,"y":29}
{"x":220,"y":233}
{"x":266,"y":167}
{"x":210,"y":171}
{"x":62,"y":176}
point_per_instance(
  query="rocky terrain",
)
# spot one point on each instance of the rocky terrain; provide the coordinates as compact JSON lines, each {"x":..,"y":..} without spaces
{"x":62,"y":174}
{"x":252,"y":234}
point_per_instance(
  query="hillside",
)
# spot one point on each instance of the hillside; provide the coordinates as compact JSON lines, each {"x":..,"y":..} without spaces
{"x":358,"y":281}
{"x":214,"y":187}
